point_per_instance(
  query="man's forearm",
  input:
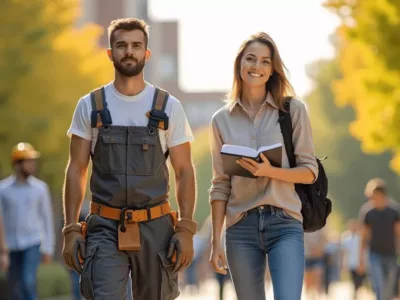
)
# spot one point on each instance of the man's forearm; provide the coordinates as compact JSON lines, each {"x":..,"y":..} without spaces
{"x":186,"y":192}
{"x":362,"y":250}
{"x":74,"y":191}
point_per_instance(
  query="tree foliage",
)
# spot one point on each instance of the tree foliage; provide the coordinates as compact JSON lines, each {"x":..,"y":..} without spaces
{"x":348,"y":168}
{"x":49,"y":66}
{"x":369,"y":46}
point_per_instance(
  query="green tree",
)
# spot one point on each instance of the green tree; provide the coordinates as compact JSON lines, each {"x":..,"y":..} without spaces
{"x":369,"y":43}
{"x":38,"y":104}
{"x":348,"y":168}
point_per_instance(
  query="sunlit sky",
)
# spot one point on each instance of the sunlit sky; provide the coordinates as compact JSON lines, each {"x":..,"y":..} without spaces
{"x":210,"y":32}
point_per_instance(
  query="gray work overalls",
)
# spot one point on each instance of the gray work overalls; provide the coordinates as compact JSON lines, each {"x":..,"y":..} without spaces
{"x":129,"y":170}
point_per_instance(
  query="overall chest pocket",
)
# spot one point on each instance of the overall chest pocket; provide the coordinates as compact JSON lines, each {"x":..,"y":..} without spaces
{"x":110,"y":154}
{"x":143,"y":155}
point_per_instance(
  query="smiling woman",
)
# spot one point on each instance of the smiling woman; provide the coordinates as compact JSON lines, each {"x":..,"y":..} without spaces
{"x":267,"y":207}
{"x":259,"y":56}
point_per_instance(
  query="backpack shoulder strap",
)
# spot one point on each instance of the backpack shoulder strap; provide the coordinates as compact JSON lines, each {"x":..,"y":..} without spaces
{"x":100,"y":116}
{"x":285,"y":122}
{"x":157,"y":116}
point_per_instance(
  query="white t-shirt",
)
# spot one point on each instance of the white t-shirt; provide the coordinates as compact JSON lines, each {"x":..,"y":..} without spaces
{"x":131,"y":111}
{"x":350,"y":244}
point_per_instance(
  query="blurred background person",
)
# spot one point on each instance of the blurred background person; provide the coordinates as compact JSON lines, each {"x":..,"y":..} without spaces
{"x":331,"y":260}
{"x":314,"y":246}
{"x":4,"y":258}
{"x":380,"y":234}
{"x":28,"y":222}
{"x":350,"y":248}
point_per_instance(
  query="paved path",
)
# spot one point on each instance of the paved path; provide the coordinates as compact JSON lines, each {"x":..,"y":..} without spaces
{"x":340,"y":291}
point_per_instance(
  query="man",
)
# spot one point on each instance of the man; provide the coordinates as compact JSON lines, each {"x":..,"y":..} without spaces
{"x":129,"y":128}
{"x":380,"y":233}
{"x":28,"y":222}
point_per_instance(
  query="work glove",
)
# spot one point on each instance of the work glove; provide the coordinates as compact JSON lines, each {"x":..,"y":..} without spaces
{"x":182,"y":243}
{"x":74,"y":246}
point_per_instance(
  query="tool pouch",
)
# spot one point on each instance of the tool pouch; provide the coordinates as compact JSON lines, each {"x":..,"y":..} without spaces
{"x":129,"y":236}
{"x":83,"y":233}
{"x":83,"y":229}
{"x":174,"y":217}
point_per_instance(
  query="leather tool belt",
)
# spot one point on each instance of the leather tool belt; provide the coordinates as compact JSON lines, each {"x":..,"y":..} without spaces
{"x":129,"y":219}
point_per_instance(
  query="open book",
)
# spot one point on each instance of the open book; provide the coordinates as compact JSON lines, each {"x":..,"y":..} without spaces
{"x":231,"y":153}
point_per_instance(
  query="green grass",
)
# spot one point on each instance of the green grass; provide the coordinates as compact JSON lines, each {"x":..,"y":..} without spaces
{"x":53,"y":280}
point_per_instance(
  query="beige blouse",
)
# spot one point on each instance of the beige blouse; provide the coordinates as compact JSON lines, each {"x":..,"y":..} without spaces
{"x":232,"y":125}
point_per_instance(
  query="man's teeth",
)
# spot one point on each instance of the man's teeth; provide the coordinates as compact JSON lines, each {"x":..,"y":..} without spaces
{"x":255,"y":74}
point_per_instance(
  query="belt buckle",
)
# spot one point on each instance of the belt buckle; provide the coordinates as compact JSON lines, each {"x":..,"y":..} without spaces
{"x":98,"y":210}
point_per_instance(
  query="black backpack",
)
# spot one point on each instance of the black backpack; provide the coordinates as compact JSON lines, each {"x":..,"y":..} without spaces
{"x":316,"y":207}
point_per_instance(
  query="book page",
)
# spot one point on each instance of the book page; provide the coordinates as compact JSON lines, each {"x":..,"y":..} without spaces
{"x":239,"y":151}
{"x":266,"y":148}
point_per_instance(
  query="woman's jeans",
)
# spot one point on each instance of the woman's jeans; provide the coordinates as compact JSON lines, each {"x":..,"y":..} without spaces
{"x":266,"y":230}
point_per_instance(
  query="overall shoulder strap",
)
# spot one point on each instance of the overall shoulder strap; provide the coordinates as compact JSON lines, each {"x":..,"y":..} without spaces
{"x":100,"y":116}
{"x":157,"y":116}
{"x":285,"y":122}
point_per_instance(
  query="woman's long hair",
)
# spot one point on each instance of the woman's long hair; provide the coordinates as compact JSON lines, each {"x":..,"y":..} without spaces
{"x":278,"y":84}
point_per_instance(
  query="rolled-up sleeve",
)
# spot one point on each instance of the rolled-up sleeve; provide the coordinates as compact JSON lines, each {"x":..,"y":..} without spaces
{"x":221,"y":183}
{"x":302,"y":137}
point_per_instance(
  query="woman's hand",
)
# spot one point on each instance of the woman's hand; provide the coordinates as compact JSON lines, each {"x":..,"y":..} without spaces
{"x":217,"y":256}
{"x":257,"y":169}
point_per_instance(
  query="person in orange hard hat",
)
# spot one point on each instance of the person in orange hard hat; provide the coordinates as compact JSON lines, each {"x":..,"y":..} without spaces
{"x":24,"y":151}
{"x":28,"y":222}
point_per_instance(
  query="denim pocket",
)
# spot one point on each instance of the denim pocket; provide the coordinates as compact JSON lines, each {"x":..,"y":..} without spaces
{"x":280,"y":213}
{"x":87,"y":273}
{"x":169,"y":285}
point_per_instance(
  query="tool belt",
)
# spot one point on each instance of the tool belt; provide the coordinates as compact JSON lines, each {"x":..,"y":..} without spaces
{"x":129,"y":219}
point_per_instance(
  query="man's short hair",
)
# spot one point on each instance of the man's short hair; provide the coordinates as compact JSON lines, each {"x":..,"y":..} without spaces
{"x":128,"y":24}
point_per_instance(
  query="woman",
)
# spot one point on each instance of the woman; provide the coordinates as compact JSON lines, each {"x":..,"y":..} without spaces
{"x":262,"y":215}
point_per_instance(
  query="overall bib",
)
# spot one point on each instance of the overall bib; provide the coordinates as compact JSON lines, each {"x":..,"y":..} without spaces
{"x":129,"y":182}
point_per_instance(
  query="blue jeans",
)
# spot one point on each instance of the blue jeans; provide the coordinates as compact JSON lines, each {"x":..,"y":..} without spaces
{"x":383,"y":275}
{"x":23,"y":273}
{"x":266,"y":230}
{"x":76,"y":291}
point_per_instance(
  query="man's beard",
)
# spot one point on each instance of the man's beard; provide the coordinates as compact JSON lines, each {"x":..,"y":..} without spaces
{"x":129,"y":71}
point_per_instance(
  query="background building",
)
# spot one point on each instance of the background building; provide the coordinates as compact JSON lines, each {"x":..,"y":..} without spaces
{"x":163,"y":68}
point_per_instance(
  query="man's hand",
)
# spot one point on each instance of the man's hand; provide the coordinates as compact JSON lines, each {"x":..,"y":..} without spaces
{"x":4,"y":261}
{"x":74,"y":246}
{"x":182,"y":243}
{"x":46,"y":259}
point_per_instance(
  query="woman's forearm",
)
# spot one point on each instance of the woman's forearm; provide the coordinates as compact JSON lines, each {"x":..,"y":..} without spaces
{"x":218,"y":210}
{"x":294,"y":175}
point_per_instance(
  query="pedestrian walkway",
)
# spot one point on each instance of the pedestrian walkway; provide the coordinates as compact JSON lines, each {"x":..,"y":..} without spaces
{"x":209,"y":291}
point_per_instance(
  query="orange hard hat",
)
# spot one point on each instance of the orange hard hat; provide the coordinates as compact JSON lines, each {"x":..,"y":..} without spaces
{"x":24,"y":151}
